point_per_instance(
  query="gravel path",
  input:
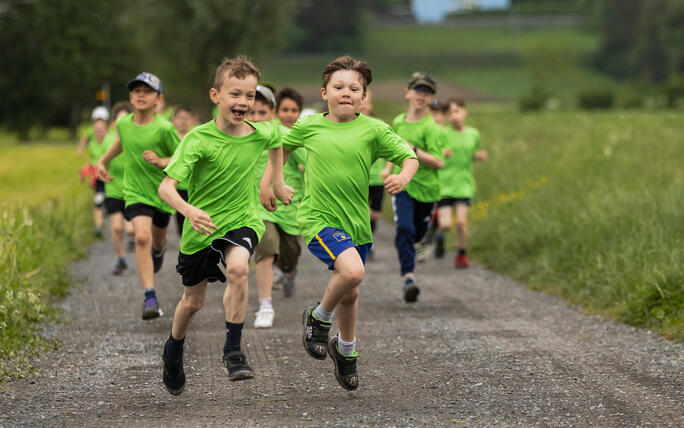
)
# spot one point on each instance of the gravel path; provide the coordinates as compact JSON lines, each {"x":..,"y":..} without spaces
{"x":477,"y":349}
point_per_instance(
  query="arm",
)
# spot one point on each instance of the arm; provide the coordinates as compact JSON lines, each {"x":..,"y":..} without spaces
{"x":199,"y":219}
{"x":387,"y":170}
{"x":154,"y":159}
{"x":480,"y":156}
{"x":395,"y":183}
{"x":273,"y":175}
{"x":101,"y":168}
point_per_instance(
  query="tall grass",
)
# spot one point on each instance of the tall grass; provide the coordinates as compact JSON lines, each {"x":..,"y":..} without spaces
{"x":45,"y":223}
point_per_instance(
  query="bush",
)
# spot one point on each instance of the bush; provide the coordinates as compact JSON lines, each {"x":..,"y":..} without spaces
{"x":596,"y":99}
{"x":674,"y":90}
{"x":534,"y":100}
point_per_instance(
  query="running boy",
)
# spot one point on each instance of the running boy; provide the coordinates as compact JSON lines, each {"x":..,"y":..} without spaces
{"x":184,"y":119}
{"x":218,"y":160}
{"x":341,"y":145}
{"x":147,"y":142}
{"x":413,"y":206}
{"x":456,"y":178}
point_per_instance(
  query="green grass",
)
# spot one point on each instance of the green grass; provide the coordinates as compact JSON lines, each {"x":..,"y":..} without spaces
{"x":45,"y":223}
{"x":589,"y":207}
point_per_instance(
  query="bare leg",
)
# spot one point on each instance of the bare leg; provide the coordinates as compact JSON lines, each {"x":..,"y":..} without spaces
{"x":191,"y":302}
{"x":462,"y":224}
{"x":264,"y":277}
{"x":98,"y":217}
{"x":342,"y":292}
{"x":236,"y":294}
{"x":142,"y":227}
{"x":116,"y":221}
{"x":444,"y":219}
{"x":158,"y":237}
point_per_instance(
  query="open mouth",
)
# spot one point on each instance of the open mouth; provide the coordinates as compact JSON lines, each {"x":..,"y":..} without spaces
{"x":238,"y":113}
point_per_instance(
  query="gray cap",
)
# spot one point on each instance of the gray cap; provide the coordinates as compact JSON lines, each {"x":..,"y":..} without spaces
{"x":420,"y":78}
{"x":267,"y":93}
{"x":147,"y":78}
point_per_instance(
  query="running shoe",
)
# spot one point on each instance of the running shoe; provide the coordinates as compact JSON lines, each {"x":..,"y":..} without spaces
{"x":97,"y":231}
{"x":345,"y":367}
{"x":174,"y":376}
{"x":278,"y":278}
{"x":439,"y":248}
{"x":315,"y":337}
{"x":119,"y":268}
{"x":236,"y":364}
{"x":264,"y":318}
{"x":411,"y":290}
{"x":158,"y":259}
{"x":289,"y":283}
{"x":151,"y":308}
{"x":461,"y":261}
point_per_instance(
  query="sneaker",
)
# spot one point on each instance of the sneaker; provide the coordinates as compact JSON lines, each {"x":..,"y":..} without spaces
{"x":97,"y":231}
{"x":439,"y":248}
{"x":315,"y":337}
{"x":158,"y":259}
{"x":289,"y":283}
{"x":151,"y":309}
{"x":278,"y":278}
{"x":345,"y":367}
{"x":411,"y":290}
{"x":119,"y":268}
{"x":421,"y":252}
{"x":264,"y":318}
{"x":461,"y":261}
{"x":236,"y":364}
{"x":174,"y":376}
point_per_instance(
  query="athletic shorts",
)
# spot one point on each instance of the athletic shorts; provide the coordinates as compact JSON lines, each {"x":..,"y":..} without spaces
{"x":204,"y":264}
{"x":114,"y":205}
{"x":99,"y":197}
{"x":159,"y":218}
{"x":375,"y":195}
{"x":450,"y":202}
{"x":275,"y":242}
{"x":331,"y":242}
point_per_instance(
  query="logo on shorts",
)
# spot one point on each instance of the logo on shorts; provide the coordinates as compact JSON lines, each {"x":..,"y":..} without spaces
{"x":249,"y":242}
{"x":340,"y":236}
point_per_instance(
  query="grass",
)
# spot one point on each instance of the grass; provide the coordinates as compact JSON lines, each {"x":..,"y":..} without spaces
{"x":45,"y":223}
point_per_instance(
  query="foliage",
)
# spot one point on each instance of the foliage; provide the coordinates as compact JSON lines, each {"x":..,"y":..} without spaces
{"x":596,"y":98}
{"x":535,"y":99}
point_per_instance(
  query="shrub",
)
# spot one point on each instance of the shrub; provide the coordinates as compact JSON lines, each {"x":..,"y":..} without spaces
{"x":595,"y":99}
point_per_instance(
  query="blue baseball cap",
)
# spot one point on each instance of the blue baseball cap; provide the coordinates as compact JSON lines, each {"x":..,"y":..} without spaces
{"x":147,"y":78}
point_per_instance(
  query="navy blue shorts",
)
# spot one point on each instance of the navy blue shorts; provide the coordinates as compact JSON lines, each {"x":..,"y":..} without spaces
{"x":331,"y":242}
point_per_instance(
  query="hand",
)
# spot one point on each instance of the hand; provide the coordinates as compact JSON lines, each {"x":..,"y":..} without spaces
{"x":481,"y":155}
{"x":447,"y":153}
{"x":395,"y":183}
{"x":102,"y":174}
{"x":200,"y":221}
{"x":151,"y":157}
{"x":267,"y":198}
{"x":284,"y":193}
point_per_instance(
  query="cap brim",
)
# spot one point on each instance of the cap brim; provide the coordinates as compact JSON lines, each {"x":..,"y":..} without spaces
{"x":131,"y":84}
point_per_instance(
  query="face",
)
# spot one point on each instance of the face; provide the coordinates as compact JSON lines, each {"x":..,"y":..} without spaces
{"x":344,"y":94}
{"x":261,"y":112}
{"x":143,"y":97}
{"x":235,"y":98}
{"x":366,"y":106}
{"x":456,"y":115}
{"x":419,"y":97}
{"x":100,"y":129}
{"x":161,"y":105}
{"x":183,"y":121}
{"x":288,"y":112}
{"x":437,"y":115}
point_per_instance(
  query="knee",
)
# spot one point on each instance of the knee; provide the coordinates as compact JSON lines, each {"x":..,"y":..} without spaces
{"x":350,"y":297}
{"x":444,"y":224}
{"x":117,"y":228}
{"x":237,"y":274}
{"x":193,"y":303}
{"x":461,"y":223}
{"x":354,"y":275}
{"x":142,"y":238}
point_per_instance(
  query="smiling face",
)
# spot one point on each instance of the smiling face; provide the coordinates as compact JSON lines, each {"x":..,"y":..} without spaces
{"x":288,"y":112}
{"x":143,"y":97}
{"x":235,"y":98}
{"x":419,"y":97}
{"x":261,"y":112}
{"x":344,"y":93}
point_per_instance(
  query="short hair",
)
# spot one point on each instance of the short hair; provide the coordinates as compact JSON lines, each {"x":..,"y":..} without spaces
{"x":183,"y":107}
{"x":290,"y":94}
{"x":348,"y":63}
{"x":456,"y":100}
{"x":239,"y":66}
{"x":121,"y":106}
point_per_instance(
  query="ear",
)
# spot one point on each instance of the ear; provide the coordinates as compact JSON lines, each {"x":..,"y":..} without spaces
{"x":213,"y":96}
{"x":324,"y":94}
{"x":363,"y":97}
{"x":406,"y":93}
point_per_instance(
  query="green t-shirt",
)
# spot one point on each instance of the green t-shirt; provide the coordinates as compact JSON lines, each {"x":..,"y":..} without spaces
{"x":376,"y":169}
{"x":337,"y":174}
{"x":114,"y":188}
{"x":428,"y":136}
{"x":141,"y":180}
{"x":220,"y":173}
{"x":95,"y":149}
{"x":456,"y":177}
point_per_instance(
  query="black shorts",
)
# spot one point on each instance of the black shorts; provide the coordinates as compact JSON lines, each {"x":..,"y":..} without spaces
{"x":159,"y":219}
{"x":113,"y":205}
{"x":375,"y":195}
{"x":204,"y":264}
{"x":450,"y":202}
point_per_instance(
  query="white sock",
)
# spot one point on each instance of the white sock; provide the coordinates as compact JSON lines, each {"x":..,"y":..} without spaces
{"x":346,"y":348}
{"x":266,"y":302}
{"x":321,"y":314}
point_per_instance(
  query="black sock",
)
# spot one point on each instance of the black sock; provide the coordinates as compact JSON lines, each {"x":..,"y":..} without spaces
{"x":149,"y":293}
{"x":173,"y":350}
{"x":462,"y":251}
{"x":233,"y":336}
{"x":373,"y":225}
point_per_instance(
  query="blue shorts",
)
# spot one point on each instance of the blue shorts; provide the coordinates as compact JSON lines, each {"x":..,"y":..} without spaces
{"x":330,"y":242}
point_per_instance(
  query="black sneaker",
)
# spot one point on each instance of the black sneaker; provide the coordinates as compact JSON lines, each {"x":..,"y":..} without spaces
{"x":119,"y":268}
{"x":174,"y":376}
{"x":289,"y":283}
{"x":439,"y":249}
{"x":236,"y":363}
{"x":158,"y":259}
{"x":411,"y":290}
{"x":315,"y":337}
{"x":345,"y":367}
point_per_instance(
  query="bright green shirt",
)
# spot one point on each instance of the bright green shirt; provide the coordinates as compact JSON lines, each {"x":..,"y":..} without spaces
{"x":337,"y":174}
{"x":456,"y":177}
{"x":95,"y":149}
{"x":220,"y":173}
{"x":428,"y":136}
{"x":141,"y":180}
{"x":114,"y":188}
{"x":376,"y":169}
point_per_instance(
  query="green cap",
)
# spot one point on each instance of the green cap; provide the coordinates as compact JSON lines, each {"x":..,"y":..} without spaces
{"x":420,"y":78}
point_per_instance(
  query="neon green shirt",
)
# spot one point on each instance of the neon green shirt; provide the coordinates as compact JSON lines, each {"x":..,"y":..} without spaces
{"x":95,"y":149}
{"x":376,"y":169}
{"x":141,"y":180}
{"x":456,"y":177}
{"x":428,"y":136}
{"x":220,"y":173}
{"x":337,"y":174}
{"x":114,"y":188}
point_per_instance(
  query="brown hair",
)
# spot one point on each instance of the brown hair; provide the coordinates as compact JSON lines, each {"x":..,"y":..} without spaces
{"x":239,"y":66}
{"x":183,"y":107}
{"x":348,"y":63}
{"x":456,"y":100}
{"x":121,"y":106}
{"x":290,"y":94}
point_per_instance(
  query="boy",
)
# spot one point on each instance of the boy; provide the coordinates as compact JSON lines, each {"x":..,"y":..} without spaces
{"x":147,"y":142}
{"x":183,"y":119}
{"x":341,"y":145}
{"x":218,"y":160}
{"x":456,"y":178}
{"x":412,"y":207}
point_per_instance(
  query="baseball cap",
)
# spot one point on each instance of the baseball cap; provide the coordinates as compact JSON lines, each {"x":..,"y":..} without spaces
{"x":100,"y":112}
{"x":147,"y":78}
{"x":267,"y":93}
{"x":420,"y":78}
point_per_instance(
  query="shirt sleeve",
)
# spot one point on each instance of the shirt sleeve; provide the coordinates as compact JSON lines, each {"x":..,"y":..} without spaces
{"x":185,"y":157}
{"x":275,"y":139}
{"x":294,"y":138}
{"x":171,"y":140}
{"x":435,"y":140}
{"x":392,"y":147}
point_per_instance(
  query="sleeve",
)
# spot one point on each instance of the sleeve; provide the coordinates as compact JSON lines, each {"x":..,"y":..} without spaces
{"x":294,"y":138}
{"x":275,"y":138}
{"x":392,"y":147}
{"x":185,"y":157}
{"x":435,"y":140}
{"x":299,"y":156}
{"x":171,"y":141}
